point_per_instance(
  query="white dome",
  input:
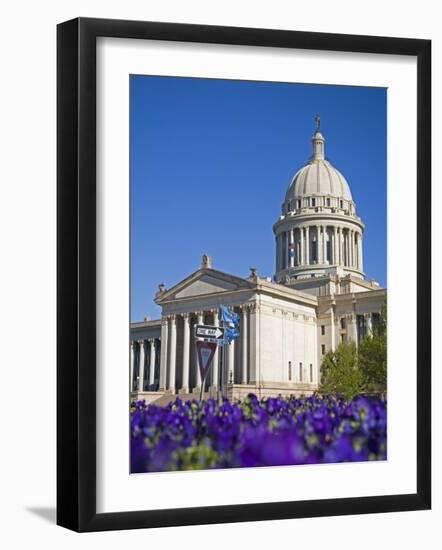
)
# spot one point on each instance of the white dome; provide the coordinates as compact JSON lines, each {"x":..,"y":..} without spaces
{"x":318,"y":177}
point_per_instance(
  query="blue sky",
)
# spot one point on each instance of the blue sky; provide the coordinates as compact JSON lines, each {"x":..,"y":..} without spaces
{"x":210,"y":163}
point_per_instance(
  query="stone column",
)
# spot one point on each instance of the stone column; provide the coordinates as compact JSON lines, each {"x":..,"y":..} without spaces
{"x":292,"y":244}
{"x":164,"y":352}
{"x":141,"y":369}
{"x":307,"y":245}
{"x":335,"y":246}
{"x":324,"y":233}
{"x":355,"y":323}
{"x":132,"y":365}
{"x":332,"y":327}
{"x":318,"y":245}
{"x":352,"y":248}
{"x":231,"y":368}
{"x":244,"y":345}
{"x":152,"y":363}
{"x":186,"y":353}
{"x":355,"y":245}
{"x":287,"y":249}
{"x":254,"y":343}
{"x":347,"y":248}
{"x":281,"y":251}
{"x":172,"y":359}
{"x":276,"y":254}
{"x":200,"y":321}
{"x":369,"y":324}
{"x":341,"y":246}
{"x":215,"y":364}
{"x":360,"y":266}
{"x":301,"y":229}
{"x":355,"y":329}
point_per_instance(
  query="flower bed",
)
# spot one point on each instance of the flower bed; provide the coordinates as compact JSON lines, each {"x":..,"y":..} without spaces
{"x":272,"y":432}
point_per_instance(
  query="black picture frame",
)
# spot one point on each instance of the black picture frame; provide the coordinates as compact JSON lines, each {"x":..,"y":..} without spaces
{"x":76,"y":274}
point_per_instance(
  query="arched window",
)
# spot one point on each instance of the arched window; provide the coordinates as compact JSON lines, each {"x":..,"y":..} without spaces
{"x":300,"y":372}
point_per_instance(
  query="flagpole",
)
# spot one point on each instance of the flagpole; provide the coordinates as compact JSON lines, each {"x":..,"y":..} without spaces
{"x":202,"y":388}
{"x":224,"y":379}
{"x":220,"y":374}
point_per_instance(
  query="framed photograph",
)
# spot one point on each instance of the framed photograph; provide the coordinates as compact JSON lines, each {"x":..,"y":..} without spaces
{"x":243,"y":274}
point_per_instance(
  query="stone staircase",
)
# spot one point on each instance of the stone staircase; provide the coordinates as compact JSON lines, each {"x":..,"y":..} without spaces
{"x":166,"y":398}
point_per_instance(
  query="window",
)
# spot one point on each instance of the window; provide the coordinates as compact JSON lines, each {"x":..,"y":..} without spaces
{"x":300,"y":372}
{"x":341,"y":204}
{"x":343,"y":322}
{"x":323,"y":349}
{"x":311,"y":372}
{"x":328,"y":247}
{"x":342,"y":338}
{"x":299,"y":204}
{"x":375,"y":320}
{"x":290,"y":370}
{"x":313,"y":202}
{"x":360,"y":327}
{"x":314,"y":256}
{"x":322,"y":330}
{"x":328,"y":202}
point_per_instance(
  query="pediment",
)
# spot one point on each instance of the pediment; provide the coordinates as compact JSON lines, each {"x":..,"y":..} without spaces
{"x":203,"y":283}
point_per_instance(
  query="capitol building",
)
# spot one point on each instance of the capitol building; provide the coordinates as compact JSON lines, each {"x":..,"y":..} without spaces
{"x":317,"y":298}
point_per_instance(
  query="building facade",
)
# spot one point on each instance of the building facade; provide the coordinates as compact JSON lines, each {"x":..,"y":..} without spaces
{"x":317,"y":298}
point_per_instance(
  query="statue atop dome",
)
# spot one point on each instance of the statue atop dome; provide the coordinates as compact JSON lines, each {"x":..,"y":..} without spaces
{"x":318,"y":122}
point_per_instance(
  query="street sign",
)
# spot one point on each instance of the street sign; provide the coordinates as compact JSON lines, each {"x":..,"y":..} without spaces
{"x":210,"y":333}
{"x":206,"y":351}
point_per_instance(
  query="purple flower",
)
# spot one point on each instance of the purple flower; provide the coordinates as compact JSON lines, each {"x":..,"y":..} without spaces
{"x":253,"y":432}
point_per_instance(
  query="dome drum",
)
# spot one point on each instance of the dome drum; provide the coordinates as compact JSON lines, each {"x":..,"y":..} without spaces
{"x":319,"y":203}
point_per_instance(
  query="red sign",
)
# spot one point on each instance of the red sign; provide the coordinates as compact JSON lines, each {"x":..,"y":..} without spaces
{"x":206,"y":351}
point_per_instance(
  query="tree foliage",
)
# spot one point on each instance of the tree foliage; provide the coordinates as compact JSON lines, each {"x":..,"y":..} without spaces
{"x":340,"y":373}
{"x":372,"y":357}
{"x":351,"y":370}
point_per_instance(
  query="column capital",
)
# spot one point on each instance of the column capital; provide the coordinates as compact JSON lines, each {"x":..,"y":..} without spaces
{"x":186,"y":315}
{"x":141,"y":341}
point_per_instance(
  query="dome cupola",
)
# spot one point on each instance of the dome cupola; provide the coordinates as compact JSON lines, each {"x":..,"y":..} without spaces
{"x":318,"y":178}
{"x":318,"y":227}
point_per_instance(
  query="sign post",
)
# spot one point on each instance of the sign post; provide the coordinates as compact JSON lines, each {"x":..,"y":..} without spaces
{"x":205,"y":352}
{"x":210,"y":333}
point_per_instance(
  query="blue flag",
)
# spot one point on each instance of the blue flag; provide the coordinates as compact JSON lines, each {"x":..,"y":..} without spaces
{"x":231,"y":323}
